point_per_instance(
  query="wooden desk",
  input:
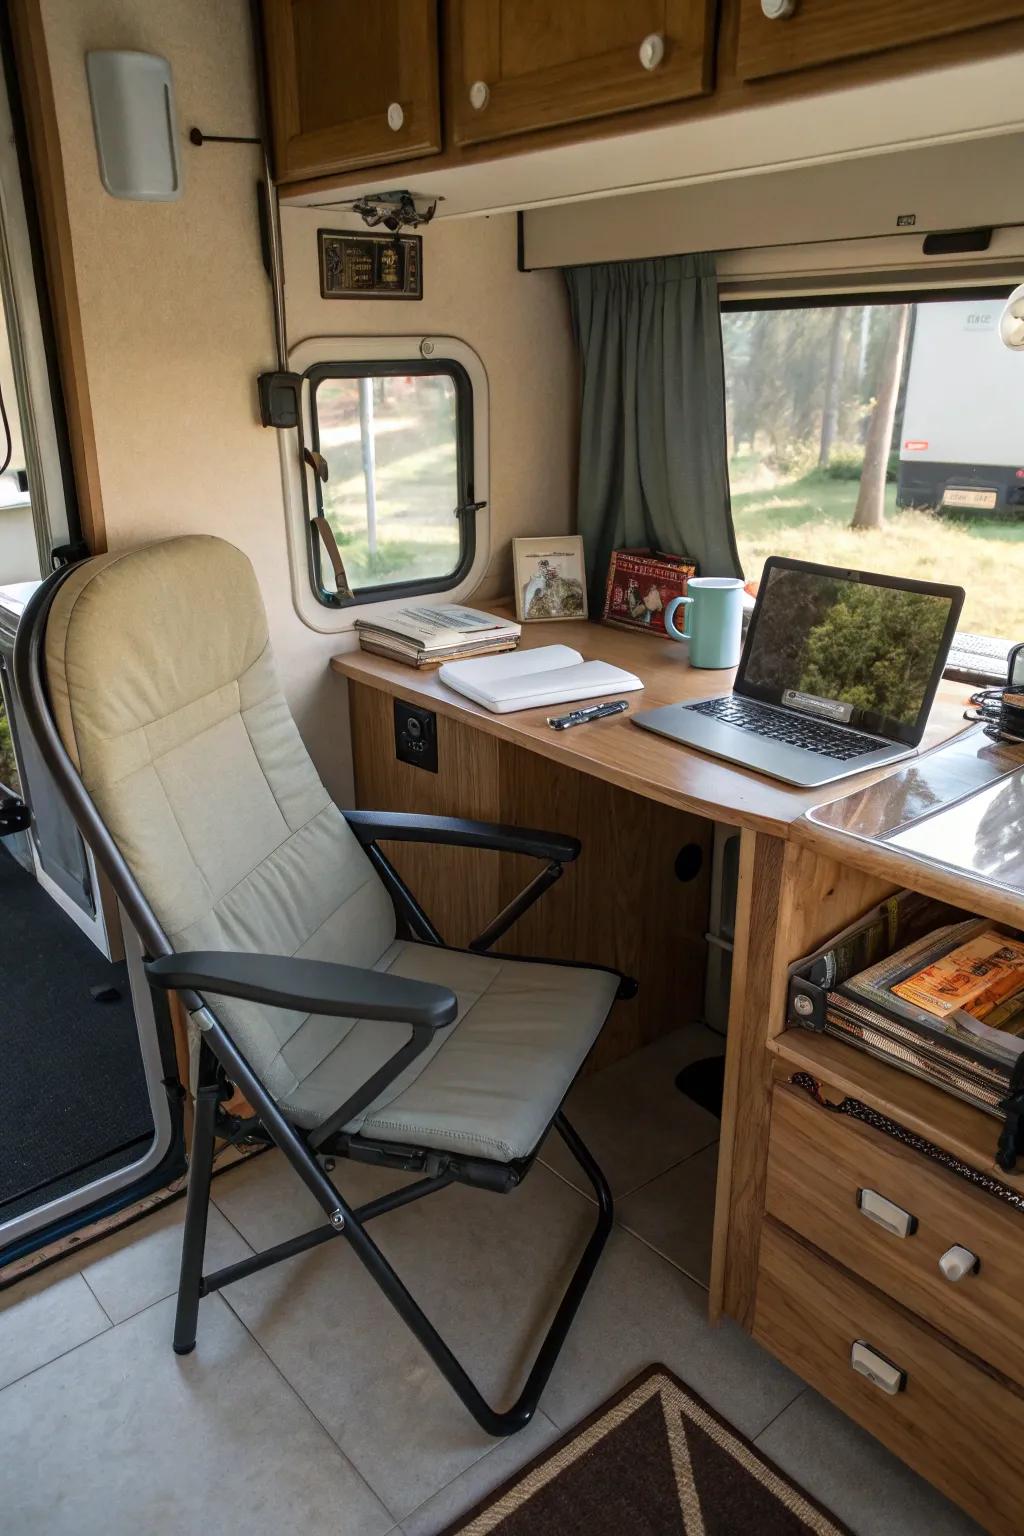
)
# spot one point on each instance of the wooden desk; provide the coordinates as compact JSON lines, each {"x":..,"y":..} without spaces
{"x":644,"y":808}
{"x":614,"y":750}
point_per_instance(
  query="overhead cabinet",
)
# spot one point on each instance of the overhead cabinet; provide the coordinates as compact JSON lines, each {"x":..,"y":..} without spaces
{"x":521,"y":65}
{"x":350,"y":83}
{"x":778,"y":36}
{"x":354,"y":84}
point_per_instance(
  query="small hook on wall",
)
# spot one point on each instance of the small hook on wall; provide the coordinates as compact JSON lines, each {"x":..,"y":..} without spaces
{"x":199,"y":138}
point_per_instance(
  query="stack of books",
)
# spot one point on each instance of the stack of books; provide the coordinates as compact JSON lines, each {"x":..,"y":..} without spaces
{"x":947,"y":1006}
{"x":424,"y":636}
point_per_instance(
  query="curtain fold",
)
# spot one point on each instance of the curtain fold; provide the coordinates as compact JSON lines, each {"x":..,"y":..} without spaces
{"x":653,"y":459}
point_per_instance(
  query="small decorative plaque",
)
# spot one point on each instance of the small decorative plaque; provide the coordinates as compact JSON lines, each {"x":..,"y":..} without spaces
{"x":370,"y":266}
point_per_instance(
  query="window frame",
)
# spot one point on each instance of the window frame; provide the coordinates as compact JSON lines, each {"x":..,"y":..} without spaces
{"x":355,"y":355}
{"x":817,"y":298}
{"x":424,"y":367}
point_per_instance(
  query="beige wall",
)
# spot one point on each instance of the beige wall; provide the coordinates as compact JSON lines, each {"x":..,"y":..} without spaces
{"x":177,"y":323}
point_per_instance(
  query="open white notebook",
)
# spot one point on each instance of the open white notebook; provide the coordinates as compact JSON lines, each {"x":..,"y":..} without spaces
{"x":551,"y":674}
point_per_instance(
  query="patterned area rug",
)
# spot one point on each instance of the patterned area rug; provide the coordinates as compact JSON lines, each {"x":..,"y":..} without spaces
{"x":654,"y":1461}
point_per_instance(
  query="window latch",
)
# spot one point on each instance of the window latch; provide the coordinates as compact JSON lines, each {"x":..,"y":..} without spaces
{"x":469,"y":508}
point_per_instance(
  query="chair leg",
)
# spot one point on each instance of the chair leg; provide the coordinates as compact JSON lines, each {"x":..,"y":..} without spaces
{"x":346,"y":1224}
{"x":522,"y":1410}
{"x":197,"y":1207}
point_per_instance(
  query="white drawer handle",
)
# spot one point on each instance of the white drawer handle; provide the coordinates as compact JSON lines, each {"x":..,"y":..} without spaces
{"x":958,"y":1262}
{"x":886,"y":1213}
{"x":778,"y":10}
{"x":882,"y":1373}
{"x":652,"y":50}
{"x":396,"y":116}
{"x":479,"y":95}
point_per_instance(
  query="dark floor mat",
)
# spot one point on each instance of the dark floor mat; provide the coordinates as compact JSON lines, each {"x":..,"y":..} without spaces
{"x":73,"y":1099}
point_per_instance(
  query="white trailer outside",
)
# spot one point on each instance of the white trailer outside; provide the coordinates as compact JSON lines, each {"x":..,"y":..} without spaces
{"x":962,"y":437}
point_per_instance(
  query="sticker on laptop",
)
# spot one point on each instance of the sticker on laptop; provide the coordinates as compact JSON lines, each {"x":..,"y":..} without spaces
{"x":829,"y":709}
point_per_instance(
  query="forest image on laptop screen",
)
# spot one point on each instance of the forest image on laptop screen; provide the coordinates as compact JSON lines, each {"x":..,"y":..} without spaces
{"x":849,"y":651}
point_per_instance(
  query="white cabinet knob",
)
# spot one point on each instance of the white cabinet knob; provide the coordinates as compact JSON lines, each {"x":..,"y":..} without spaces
{"x":652,"y":50}
{"x":778,"y":10}
{"x":396,"y":117}
{"x":957,"y":1262}
{"x":479,"y":95}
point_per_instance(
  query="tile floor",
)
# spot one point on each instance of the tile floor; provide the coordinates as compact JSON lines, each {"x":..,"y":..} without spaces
{"x":308,"y":1409}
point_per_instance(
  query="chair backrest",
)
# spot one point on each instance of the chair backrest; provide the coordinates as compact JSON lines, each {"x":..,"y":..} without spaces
{"x":162,"y":684}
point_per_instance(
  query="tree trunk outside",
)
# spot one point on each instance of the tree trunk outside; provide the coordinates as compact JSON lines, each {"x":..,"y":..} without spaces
{"x":870,"y":509}
{"x":833,"y":382}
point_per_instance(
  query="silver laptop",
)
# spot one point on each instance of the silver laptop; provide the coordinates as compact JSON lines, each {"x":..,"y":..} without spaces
{"x":838,"y":674}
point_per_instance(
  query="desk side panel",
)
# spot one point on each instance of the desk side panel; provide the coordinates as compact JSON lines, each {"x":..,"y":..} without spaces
{"x":621,"y":904}
{"x":790,"y":901}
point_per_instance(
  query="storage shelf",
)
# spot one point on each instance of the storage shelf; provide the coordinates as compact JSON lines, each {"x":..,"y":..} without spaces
{"x":949,"y":1122}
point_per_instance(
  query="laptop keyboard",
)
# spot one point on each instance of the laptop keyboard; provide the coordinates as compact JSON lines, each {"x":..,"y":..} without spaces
{"x":790,"y":729}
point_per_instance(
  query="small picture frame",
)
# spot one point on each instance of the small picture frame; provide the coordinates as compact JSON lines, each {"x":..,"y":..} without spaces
{"x":550,"y":578}
{"x":369,"y":265}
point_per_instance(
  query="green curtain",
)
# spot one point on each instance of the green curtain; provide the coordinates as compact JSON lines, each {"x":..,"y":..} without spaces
{"x":653,"y":460}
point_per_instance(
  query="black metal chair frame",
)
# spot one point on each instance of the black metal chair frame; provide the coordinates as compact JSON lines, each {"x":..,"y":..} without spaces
{"x":342,"y":991}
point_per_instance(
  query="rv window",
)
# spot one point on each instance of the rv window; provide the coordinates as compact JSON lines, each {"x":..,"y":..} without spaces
{"x":397,"y":439}
{"x":884,"y":436}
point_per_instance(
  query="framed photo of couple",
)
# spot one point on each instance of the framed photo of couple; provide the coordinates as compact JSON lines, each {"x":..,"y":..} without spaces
{"x":550,"y":578}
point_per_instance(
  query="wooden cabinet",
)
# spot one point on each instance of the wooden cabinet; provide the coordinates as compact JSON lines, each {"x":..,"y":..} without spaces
{"x":827,"y":1178}
{"x":520,"y":65}
{"x":955,"y":1423}
{"x":354,"y":85}
{"x":351,"y":84}
{"x":825,"y":31}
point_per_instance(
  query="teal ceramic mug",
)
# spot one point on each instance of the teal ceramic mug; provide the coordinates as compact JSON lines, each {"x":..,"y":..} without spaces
{"x":714,"y":622}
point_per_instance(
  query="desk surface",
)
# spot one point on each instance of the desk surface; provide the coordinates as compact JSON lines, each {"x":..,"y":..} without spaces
{"x":615,"y":750}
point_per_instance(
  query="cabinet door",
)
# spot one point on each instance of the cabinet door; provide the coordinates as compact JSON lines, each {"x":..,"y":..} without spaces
{"x":822,"y":31}
{"x":518,"y":65}
{"x":350,"y":83}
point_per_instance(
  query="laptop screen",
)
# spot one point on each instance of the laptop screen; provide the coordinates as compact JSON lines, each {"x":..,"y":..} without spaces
{"x":860,"y":649}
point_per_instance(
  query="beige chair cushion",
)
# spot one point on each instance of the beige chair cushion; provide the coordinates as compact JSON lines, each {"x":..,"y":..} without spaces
{"x":163,"y":685}
{"x":487,"y":1085}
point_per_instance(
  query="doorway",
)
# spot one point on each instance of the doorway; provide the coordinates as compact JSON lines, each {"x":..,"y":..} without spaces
{"x":89,"y":1098}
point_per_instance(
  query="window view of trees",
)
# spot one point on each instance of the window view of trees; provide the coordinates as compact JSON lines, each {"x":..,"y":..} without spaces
{"x":392,"y":489}
{"x":816,"y":399}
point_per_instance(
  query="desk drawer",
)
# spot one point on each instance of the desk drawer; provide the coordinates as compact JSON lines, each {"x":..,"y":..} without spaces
{"x":819,"y":1163}
{"x":949,"y":1420}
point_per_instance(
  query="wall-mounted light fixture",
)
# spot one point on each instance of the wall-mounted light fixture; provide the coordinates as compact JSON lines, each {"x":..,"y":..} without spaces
{"x":135,"y":124}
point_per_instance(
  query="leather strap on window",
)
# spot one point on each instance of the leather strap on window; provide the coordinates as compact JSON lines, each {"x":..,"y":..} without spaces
{"x":330,"y":543}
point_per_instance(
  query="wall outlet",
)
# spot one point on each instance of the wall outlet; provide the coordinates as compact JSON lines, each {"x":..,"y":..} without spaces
{"x":415,"y":736}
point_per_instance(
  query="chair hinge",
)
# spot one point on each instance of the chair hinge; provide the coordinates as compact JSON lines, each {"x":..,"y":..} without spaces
{"x":68,"y":554}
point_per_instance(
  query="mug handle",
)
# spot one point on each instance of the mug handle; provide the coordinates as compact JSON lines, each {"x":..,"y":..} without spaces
{"x":670,"y":628}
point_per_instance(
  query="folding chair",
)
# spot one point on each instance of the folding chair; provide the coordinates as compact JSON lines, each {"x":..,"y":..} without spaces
{"x":313,"y":979}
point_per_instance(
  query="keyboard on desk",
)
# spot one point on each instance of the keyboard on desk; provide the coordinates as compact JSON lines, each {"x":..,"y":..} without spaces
{"x":791,"y":729}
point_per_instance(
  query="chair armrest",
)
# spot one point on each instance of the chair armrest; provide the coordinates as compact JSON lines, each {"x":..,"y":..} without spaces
{"x":405,"y":827}
{"x":308,"y":986}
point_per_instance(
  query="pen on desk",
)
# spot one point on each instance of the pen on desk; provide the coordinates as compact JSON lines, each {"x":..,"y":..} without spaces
{"x":582,"y":716}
